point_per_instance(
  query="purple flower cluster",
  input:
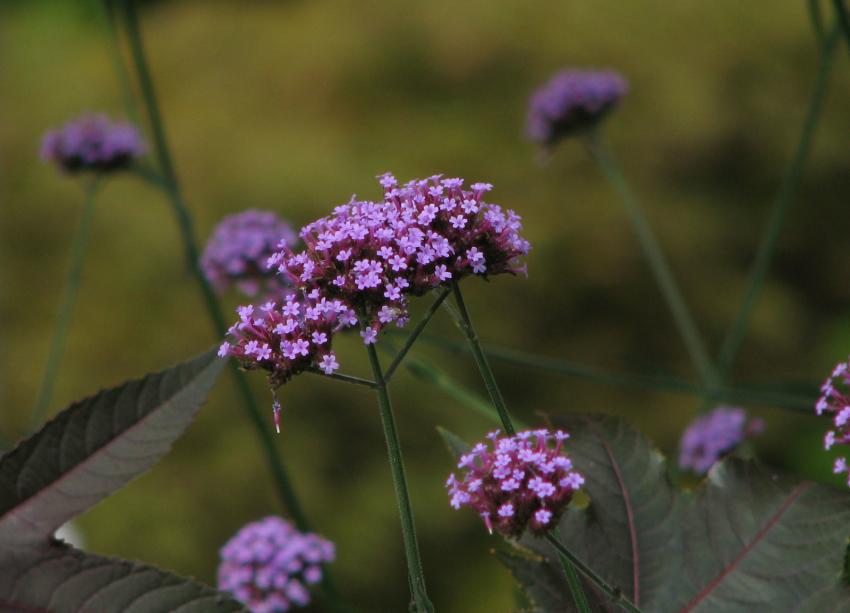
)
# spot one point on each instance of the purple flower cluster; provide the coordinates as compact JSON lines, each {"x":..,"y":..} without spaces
{"x":360,"y":265}
{"x":835,"y":401}
{"x":428,"y":232}
{"x":268,"y":565}
{"x":92,"y":142}
{"x":572,"y":100}
{"x":524,"y":481}
{"x":288,"y":338}
{"x":239,"y":249}
{"x":711,"y":436}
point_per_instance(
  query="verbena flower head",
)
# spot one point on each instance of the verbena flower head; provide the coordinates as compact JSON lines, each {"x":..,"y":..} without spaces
{"x":92,"y":143}
{"x":711,"y":436}
{"x":517,"y":482}
{"x":239,"y":249}
{"x":571,"y":101}
{"x":423,"y":234}
{"x":268,"y":565}
{"x":835,"y":402}
{"x":288,"y":337}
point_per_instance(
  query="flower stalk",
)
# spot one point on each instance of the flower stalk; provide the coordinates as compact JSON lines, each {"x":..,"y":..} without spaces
{"x":73,"y":280}
{"x":415,"y":573}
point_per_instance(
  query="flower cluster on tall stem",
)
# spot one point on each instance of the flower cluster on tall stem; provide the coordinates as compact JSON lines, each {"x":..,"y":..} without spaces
{"x":834,"y":401}
{"x":92,"y":143}
{"x":269,"y":565}
{"x":517,"y":482}
{"x":367,"y":258}
{"x":571,"y":101}
{"x":237,"y":254}
{"x":713,"y":435}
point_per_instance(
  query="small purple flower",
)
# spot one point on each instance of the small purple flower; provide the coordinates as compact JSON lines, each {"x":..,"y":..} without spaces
{"x":239,"y":249}
{"x":268,"y":565}
{"x":711,"y":436}
{"x":522,"y":481}
{"x":570,"y":101}
{"x":835,"y":402}
{"x":92,"y":142}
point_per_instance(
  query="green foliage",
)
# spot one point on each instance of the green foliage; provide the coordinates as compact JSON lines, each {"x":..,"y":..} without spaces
{"x":747,"y":539}
{"x":90,"y":450}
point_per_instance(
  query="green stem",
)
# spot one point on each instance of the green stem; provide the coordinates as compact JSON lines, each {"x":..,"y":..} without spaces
{"x":111,"y":19}
{"x":344,"y":378}
{"x":816,"y":17}
{"x":184,"y":221}
{"x":843,"y":20}
{"x":615,"y":593}
{"x":171,"y":187}
{"x":662,"y":383}
{"x":465,"y":323}
{"x":73,"y":279}
{"x":415,"y":574}
{"x":600,"y":153}
{"x":420,"y":327}
{"x":572,"y":578}
{"x":781,"y":206}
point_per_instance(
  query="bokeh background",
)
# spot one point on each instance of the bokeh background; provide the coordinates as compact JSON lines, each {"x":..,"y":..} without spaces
{"x":293,"y":106}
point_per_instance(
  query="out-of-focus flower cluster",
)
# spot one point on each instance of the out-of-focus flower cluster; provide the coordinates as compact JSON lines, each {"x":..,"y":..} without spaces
{"x":571,"y":101}
{"x":92,"y":143}
{"x":835,"y":402}
{"x":517,"y":482}
{"x":361,"y":263}
{"x":711,"y":436}
{"x":239,"y":249}
{"x":268,"y":565}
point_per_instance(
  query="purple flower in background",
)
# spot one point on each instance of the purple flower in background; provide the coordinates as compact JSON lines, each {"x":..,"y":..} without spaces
{"x":92,"y":142}
{"x":424,"y":234}
{"x":835,"y":402}
{"x":713,"y":435}
{"x":237,"y":253}
{"x":268,"y":565}
{"x":518,"y":482}
{"x":572,"y":100}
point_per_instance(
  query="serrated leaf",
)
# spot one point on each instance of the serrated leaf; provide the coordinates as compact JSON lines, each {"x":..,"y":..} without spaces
{"x":56,"y":578}
{"x":746,"y":540}
{"x":456,"y":445}
{"x":95,"y":447}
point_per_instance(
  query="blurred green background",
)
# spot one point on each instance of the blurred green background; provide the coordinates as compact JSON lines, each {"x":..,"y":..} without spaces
{"x":294,"y":106}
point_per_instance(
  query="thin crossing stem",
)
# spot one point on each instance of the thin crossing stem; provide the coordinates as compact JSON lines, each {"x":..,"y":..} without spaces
{"x":73,"y":279}
{"x":414,"y":334}
{"x":781,"y":205}
{"x":656,"y":259}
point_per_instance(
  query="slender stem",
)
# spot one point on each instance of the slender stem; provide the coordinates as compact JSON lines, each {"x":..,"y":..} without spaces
{"x":781,"y":206}
{"x":415,"y":574}
{"x":74,"y":277}
{"x":344,"y":378}
{"x":843,"y":20}
{"x":420,"y":327}
{"x":655,"y":258}
{"x":816,"y":17}
{"x":465,"y":324}
{"x":171,"y":187}
{"x":110,"y":21}
{"x":572,"y":578}
{"x":663,"y":383}
{"x":431,"y":374}
{"x":615,"y":593}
